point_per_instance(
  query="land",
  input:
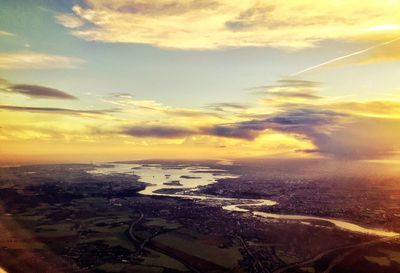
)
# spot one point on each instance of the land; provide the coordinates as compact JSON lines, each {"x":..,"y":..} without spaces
{"x":173,"y":183}
{"x":371,"y":200}
{"x":63,"y":218}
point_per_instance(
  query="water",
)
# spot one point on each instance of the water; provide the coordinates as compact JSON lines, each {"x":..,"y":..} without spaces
{"x":339,"y":223}
{"x":190,"y":177}
{"x":193,"y":177}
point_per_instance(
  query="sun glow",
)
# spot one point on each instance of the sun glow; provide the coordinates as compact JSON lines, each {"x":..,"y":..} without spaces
{"x":384,"y":27}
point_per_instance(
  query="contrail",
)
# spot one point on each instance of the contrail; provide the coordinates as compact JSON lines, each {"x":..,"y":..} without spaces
{"x":345,"y":57}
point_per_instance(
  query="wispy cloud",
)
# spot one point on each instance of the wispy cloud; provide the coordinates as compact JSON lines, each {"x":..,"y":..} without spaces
{"x":289,"y":90}
{"x":6,"y":33}
{"x":54,"y":110}
{"x":226,"y":106}
{"x":210,"y":24}
{"x":34,"y":91}
{"x":127,"y":100}
{"x":69,"y":20}
{"x":36,"y":60}
{"x":368,"y":108}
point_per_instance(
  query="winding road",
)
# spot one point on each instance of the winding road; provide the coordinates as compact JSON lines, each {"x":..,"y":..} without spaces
{"x":141,"y":245}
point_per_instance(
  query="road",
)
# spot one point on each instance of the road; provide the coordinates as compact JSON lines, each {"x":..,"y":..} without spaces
{"x":138,"y":242}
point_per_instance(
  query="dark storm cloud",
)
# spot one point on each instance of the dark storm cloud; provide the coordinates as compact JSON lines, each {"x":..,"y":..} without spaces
{"x":157,"y":131}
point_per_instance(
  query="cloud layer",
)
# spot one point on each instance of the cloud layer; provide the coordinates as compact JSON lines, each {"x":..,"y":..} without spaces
{"x":339,"y":129}
{"x":157,"y":131}
{"x":210,"y":24}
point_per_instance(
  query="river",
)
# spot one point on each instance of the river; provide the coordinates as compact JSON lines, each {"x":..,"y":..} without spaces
{"x":187,"y":179}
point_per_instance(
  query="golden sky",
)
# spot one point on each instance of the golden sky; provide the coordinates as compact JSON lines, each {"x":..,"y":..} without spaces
{"x":207,"y":79}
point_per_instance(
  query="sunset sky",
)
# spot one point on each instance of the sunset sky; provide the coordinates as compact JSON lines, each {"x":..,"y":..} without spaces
{"x":199,"y":79}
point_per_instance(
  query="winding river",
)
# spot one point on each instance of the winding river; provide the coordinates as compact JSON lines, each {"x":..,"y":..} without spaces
{"x":187,"y":179}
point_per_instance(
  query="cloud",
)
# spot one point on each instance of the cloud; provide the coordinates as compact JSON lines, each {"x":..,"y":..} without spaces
{"x":226,"y":106}
{"x":157,"y":131}
{"x":54,"y":110}
{"x":69,"y":20}
{"x":369,"y":108}
{"x":337,"y":133}
{"x":341,"y":129}
{"x":289,"y":90}
{"x":181,"y":112}
{"x":126,"y":99}
{"x":363,"y":138}
{"x":35,"y":91}
{"x":6,"y":33}
{"x":212,"y":24}
{"x":36,"y":60}
{"x":302,"y":121}
{"x":245,"y":130}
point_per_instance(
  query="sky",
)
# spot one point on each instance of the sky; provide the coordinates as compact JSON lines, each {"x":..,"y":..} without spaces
{"x":101,"y":80}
